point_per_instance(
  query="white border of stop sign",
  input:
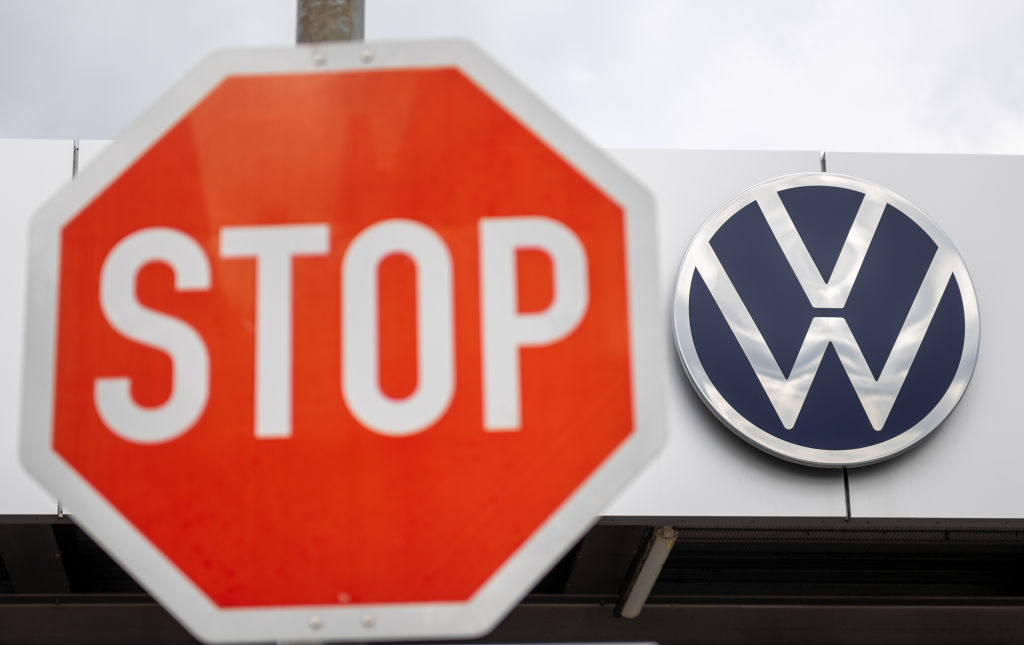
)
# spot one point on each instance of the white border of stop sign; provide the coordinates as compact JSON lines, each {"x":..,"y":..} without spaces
{"x":649,"y":343}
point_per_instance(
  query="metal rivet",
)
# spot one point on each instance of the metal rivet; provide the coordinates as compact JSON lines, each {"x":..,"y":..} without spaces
{"x":319,"y":58}
{"x":368,"y":621}
{"x":366,"y":56}
{"x":344,"y":597}
{"x":315,"y":622}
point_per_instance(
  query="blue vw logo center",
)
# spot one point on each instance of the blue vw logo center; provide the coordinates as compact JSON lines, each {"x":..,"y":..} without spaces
{"x":826,"y":319}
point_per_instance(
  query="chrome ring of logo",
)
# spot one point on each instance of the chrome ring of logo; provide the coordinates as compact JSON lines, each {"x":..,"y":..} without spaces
{"x":826,"y":320}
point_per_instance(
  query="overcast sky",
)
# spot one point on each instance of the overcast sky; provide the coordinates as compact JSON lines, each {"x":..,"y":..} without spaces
{"x":868,"y":75}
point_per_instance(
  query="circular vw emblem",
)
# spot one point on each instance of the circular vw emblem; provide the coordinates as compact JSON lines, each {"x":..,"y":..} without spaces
{"x":826,"y":320}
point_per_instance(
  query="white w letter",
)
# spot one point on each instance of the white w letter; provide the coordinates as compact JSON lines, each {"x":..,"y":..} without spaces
{"x":787,"y":395}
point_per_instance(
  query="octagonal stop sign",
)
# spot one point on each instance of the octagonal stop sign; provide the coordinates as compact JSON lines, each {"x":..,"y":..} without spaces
{"x":345,"y":342}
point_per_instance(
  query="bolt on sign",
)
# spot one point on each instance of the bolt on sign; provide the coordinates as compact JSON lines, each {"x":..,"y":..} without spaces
{"x":344,"y":341}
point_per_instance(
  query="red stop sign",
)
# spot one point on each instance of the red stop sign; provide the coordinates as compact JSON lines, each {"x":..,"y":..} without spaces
{"x":342,"y":343}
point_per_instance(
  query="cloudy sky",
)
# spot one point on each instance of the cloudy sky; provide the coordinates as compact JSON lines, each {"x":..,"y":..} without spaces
{"x":935,"y":76}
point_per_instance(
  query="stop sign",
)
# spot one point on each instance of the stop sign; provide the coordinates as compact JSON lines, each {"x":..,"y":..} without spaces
{"x":343,"y":342}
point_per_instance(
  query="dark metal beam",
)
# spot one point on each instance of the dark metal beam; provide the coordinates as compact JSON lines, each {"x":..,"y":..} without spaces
{"x":603,"y":560}
{"x":129,"y":623}
{"x":32,"y":559}
{"x":766,"y":581}
{"x":793,"y":625}
{"x":113,"y":623}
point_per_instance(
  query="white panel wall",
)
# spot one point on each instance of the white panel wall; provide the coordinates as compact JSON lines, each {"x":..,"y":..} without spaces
{"x":704,"y":468}
{"x":89,"y":149}
{"x":970,"y":467}
{"x":30,"y":171}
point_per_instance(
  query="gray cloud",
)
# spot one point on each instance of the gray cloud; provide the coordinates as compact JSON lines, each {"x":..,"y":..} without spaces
{"x":74,"y":69}
{"x":915,"y":75}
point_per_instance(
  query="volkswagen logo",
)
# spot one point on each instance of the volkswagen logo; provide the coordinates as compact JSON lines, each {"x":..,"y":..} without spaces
{"x":826,"y":320}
